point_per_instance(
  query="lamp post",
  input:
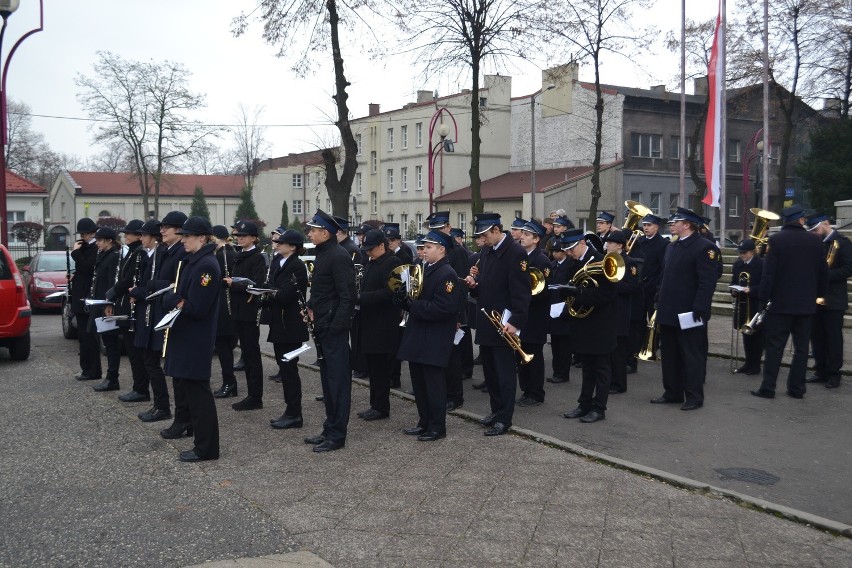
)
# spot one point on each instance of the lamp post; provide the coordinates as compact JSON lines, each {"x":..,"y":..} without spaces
{"x":752,"y":151}
{"x":444,"y":145}
{"x":532,"y":147}
{"x":7,"y":7}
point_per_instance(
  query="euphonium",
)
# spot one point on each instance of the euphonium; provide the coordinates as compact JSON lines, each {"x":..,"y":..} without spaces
{"x":760,"y":227}
{"x":510,"y":338}
{"x":635,"y":213}
{"x":537,"y":281}
{"x":649,"y":352}
{"x":611,"y":266}
{"x":415,"y":279}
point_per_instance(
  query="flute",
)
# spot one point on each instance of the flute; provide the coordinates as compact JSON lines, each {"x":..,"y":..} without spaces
{"x":166,"y":338}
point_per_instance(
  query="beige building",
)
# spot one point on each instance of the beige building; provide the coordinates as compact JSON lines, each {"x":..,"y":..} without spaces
{"x":298,"y":179}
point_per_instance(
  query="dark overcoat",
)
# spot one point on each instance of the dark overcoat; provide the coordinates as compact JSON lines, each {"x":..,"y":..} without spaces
{"x":689,"y":279}
{"x":249,"y":264}
{"x":378,"y":317}
{"x":225,"y":256}
{"x":836,"y":296}
{"x":538,"y":321}
{"x":84,"y":269}
{"x":332,"y":289}
{"x":747,"y":304}
{"x":129,"y":275}
{"x":106,"y":270}
{"x":653,"y":252}
{"x":504,"y":283}
{"x":795,"y":273}
{"x":561,"y":273}
{"x":626,"y":290}
{"x":286,"y":324}
{"x":166,"y":270}
{"x":596,"y":333}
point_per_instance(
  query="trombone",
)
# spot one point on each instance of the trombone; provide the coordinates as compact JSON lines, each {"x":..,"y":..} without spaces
{"x":635,"y":213}
{"x":744,"y":280}
{"x":612,"y":268}
{"x":511,"y":339}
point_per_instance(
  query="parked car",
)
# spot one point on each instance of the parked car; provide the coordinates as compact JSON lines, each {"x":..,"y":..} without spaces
{"x":46,"y":275}
{"x":15,"y":312}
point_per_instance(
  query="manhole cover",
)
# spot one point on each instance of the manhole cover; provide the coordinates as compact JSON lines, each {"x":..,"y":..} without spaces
{"x":748,"y":475}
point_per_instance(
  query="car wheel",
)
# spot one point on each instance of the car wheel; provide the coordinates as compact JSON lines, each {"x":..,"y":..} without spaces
{"x":19,"y":349}
{"x":69,"y":330}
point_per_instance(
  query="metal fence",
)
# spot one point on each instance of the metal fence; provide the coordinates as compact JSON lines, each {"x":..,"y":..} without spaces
{"x":19,"y":251}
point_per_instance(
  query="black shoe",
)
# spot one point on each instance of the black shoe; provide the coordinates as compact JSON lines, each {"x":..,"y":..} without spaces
{"x":276,"y":377}
{"x":360,"y":374}
{"x":527,"y":401}
{"x":85,"y":377}
{"x":319,"y":398}
{"x":630,"y":370}
{"x":479,"y":386}
{"x":763,"y":394}
{"x":796,"y":395}
{"x":557,"y":380}
{"x":226,"y":391}
{"x":578,"y":412}
{"x":177,"y":430}
{"x":240,"y":365}
{"x":497,"y":429}
{"x":106,"y":385}
{"x":742,"y":370}
{"x":816,"y":379}
{"x":363,"y":413}
{"x":431,"y":436}
{"x":593,"y":416}
{"x":692,"y":405}
{"x":286,"y":422}
{"x":616,"y":390}
{"x":372,"y":415}
{"x":328,"y":446}
{"x":191,"y":456}
{"x":248,"y":403}
{"x":832,"y":384}
{"x":664,"y":400}
{"x":155,"y":415}
{"x":755,"y":371}
{"x":488,"y":420}
{"x":315,"y":363}
{"x":454,"y":405}
{"x":134,"y":396}
{"x":315,"y":440}
{"x":413,"y":431}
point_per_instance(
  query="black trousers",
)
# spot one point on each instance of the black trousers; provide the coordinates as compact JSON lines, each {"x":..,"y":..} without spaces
{"x":225,"y":351}
{"x":430,"y":394}
{"x":684,"y":362}
{"x":777,"y":328}
{"x":753,"y":347}
{"x":249,"y":334}
{"x":453,"y":375}
{"x":156,"y":378}
{"x":137,"y":363}
{"x":466,"y":350}
{"x":336,"y":381}
{"x":112,"y":344}
{"x":201,"y":408}
{"x":498,"y":366}
{"x":397,"y":364}
{"x":379,"y":367}
{"x":531,"y":375}
{"x":182,"y":414}
{"x":619,"y":363}
{"x":597,"y":374}
{"x":291,"y":382}
{"x":90,"y":353}
{"x":359,"y":359}
{"x":827,"y":342}
{"x":560,"y":346}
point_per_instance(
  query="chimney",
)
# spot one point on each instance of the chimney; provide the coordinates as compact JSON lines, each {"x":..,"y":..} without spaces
{"x":658,"y":89}
{"x":425,"y":96}
{"x":374,"y":109}
{"x":699,"y":85}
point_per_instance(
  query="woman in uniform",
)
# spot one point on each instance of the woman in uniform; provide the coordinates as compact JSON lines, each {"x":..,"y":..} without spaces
{"x":226,"y":337}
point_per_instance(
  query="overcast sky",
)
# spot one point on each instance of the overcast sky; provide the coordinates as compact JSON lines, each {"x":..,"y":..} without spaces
{"x":244,"y":70}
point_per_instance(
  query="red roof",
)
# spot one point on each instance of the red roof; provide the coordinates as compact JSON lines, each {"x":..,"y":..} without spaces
{"x":312,"y":158}
{"x":183,"y":185}
{"x":17,"y":184}
{"x":514,"y":184}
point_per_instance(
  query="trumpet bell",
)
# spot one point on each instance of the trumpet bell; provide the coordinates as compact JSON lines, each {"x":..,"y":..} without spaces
{"x":613,"y":266}
{"x":537,"y":280}
{"x":762,"y":218}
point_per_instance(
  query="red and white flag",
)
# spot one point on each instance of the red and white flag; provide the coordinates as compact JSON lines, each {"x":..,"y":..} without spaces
{"x":713,"y":127}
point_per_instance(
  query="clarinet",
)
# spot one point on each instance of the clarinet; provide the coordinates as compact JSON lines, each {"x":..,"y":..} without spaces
{"x":148,"y":303}
{"x":227,"y":275}
{"x":91,"y":294}
{"x":265,"y":283}
{"x":303,"y":309}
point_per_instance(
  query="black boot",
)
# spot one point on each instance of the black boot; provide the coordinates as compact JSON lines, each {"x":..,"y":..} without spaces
{"x":226,"y":391}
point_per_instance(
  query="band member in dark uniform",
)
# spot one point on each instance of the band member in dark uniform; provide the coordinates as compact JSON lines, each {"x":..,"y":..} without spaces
{"x":287,"y":329}
{"x":560,"y":225}
{"x":466,"y":343}
{"x":652,"y":249}
{"x":249,"y":267}
{"x":429,"y":335}
{"x":531,"y":375}
{"x":827,"y":330}
{"x":106,"y":275}
{"x":84,"y":254}
{"x":376,"y":312}
{"x":400,"y":249}
{"x":747,"y":271}
{"x":795,"y":274}
{"x":560,"y":334}
{"x":189,"y":350}
{"x":503,"y":283}
{"x":687,"y":286}
{"x":594,"y":336}
{"x":626,"y":290}
{"x":515,"y":229}
{"x":359,"y":364}
{"x":603,"y":224}
{"x":330,"y":309}
{"x":226,"y":334}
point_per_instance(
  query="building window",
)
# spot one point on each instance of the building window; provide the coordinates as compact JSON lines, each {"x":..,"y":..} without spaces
{"x":390,"y":139}
{"x":674,"y":200}
{"x":654,"y":205}
{"x":390,"y":217}
{"x":403,"y":222}
{"x":374,"y":165}
{"x":418,"y":134}
{"x":104,"y":213}
{"x":646,"y":145}
{"x":675,"y":153}
{"x":358,"y":142}
{"x":734,"y":151}
{"x":359,"y":185}
{"x":297,"y":207}
{"x":733,"y":205}
{"x":297,"y":181}
{"x":403,"y":130}
{"x":403,"y":174}
{"x":13,"y":217}
{"x":636,"y":196}
{"x":462,"y":221}
{"x":418,"y":220}
{"x":390,"y":181}
{"x":483,"y":102}
{"x":374,"y":203}
{"x":418,"y":178}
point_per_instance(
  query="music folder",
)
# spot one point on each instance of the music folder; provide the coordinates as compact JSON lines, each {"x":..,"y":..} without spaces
{"x":168,"y":320}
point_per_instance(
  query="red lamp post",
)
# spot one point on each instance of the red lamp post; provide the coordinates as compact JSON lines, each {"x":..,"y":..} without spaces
{"x":444,"y":145}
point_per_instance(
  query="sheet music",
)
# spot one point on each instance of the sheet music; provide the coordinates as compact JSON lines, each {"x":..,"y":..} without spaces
{"x":167,"y":321}
{"x":556,"y":309}
{"x":102,"y":325}
{"x":295,"y":353}
{"x":687,"y":321}
{"x":92,"y":302}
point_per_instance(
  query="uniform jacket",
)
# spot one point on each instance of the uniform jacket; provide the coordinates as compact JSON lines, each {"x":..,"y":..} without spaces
{"x":106,"y":270}
{"x":404,"y":254}
{"x":747,"y":304}
{"x":142,"y":334}
{"x":504,"y":283}
{"x":653,"y":250}
{"x":459,"y":259}
{"x":596,"y":333}
{"x":431,"y":326}
{"x":84,"y":269}
{"x":249,"y":264}
{"x":225,"y":256}
{"x":378,"y":317}
{"x":538,"y":321}
{"x":285,"y":317}
{"x":626,"y":292}
{"x":130,"y":274}
{"x":795,"y":273}
{"x":560,"y":274}
{"x":190,"y":348}
{"x":836,"y":297}
{"x":355,"y":254}
{"x":688,"y":281}
{"x":166,"y":264}
{"x":332,"y":289}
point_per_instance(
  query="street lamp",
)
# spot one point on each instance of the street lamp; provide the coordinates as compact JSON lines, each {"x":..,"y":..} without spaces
{"x":753,"y":150}
{"x":7,"y":7}
{"x":532,"y":147}
{"x":444,"y":145}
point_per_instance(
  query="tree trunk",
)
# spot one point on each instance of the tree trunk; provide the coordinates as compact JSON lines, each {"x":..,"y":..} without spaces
{"x":697,"y":195}
{"x":596,"y":162}
{"x":847,"y":79}
{"x":476,"y":204}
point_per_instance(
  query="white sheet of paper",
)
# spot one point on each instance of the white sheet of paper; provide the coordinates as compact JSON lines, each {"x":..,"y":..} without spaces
{"x":505,"y":319}
{"x":458,"y":337}
{"x":687,"y":322}
{"x":295,"y":353}
{"x":102,"y":325}
{"x":167,"y":321}
{"x":406,"y":278}
{"x":55,"y":295}
{"x":737,"y":288}
{"x":91,"y":302}
{"x":556,"y":309}
{"x":117,"y":318}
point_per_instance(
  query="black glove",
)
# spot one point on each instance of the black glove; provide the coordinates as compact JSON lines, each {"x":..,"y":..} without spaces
{"x":569,"y":290}
{"x":110,"y":295}
{"x":170,"y":300}
{"x":401,"y":299}
{"x":699,"y":316}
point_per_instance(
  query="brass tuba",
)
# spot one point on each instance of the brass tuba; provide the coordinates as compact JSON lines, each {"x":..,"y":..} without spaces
{"x":762,"y":217}
{"x":415,"y":279}
{"x":635,"y":213}
{"x":537,"y":281}
{"x":611,"y":266}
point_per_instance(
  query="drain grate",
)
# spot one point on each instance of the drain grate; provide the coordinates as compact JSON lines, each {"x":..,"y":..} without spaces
{"x":748,"y":475}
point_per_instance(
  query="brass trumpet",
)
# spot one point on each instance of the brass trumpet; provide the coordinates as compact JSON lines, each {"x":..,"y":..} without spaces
{"x":635,"y":213}
{"x":511,"y":339}
{"x":611,"y":266}
{"x":754,"y":324}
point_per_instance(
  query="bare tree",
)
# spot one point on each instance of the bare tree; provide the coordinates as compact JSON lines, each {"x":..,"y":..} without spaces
{"x":145,"y":105}
{"x":27,"y":152}
{"x":113,"y":158}
{"x":250,"y":141}
{"x":831,"y":71}
{"x":463,"y":36}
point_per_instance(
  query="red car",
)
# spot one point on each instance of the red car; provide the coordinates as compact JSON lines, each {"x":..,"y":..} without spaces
{"x":46,"y":275}
{"x":15,"y":312}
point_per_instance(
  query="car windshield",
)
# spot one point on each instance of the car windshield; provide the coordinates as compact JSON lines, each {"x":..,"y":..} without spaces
{"x":51,"y":263}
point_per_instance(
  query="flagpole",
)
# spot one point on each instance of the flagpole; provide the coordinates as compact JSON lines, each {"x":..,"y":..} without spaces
{"x":682,"y":149}
{"x":764,"y":196}
{"x":723,"y":143}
